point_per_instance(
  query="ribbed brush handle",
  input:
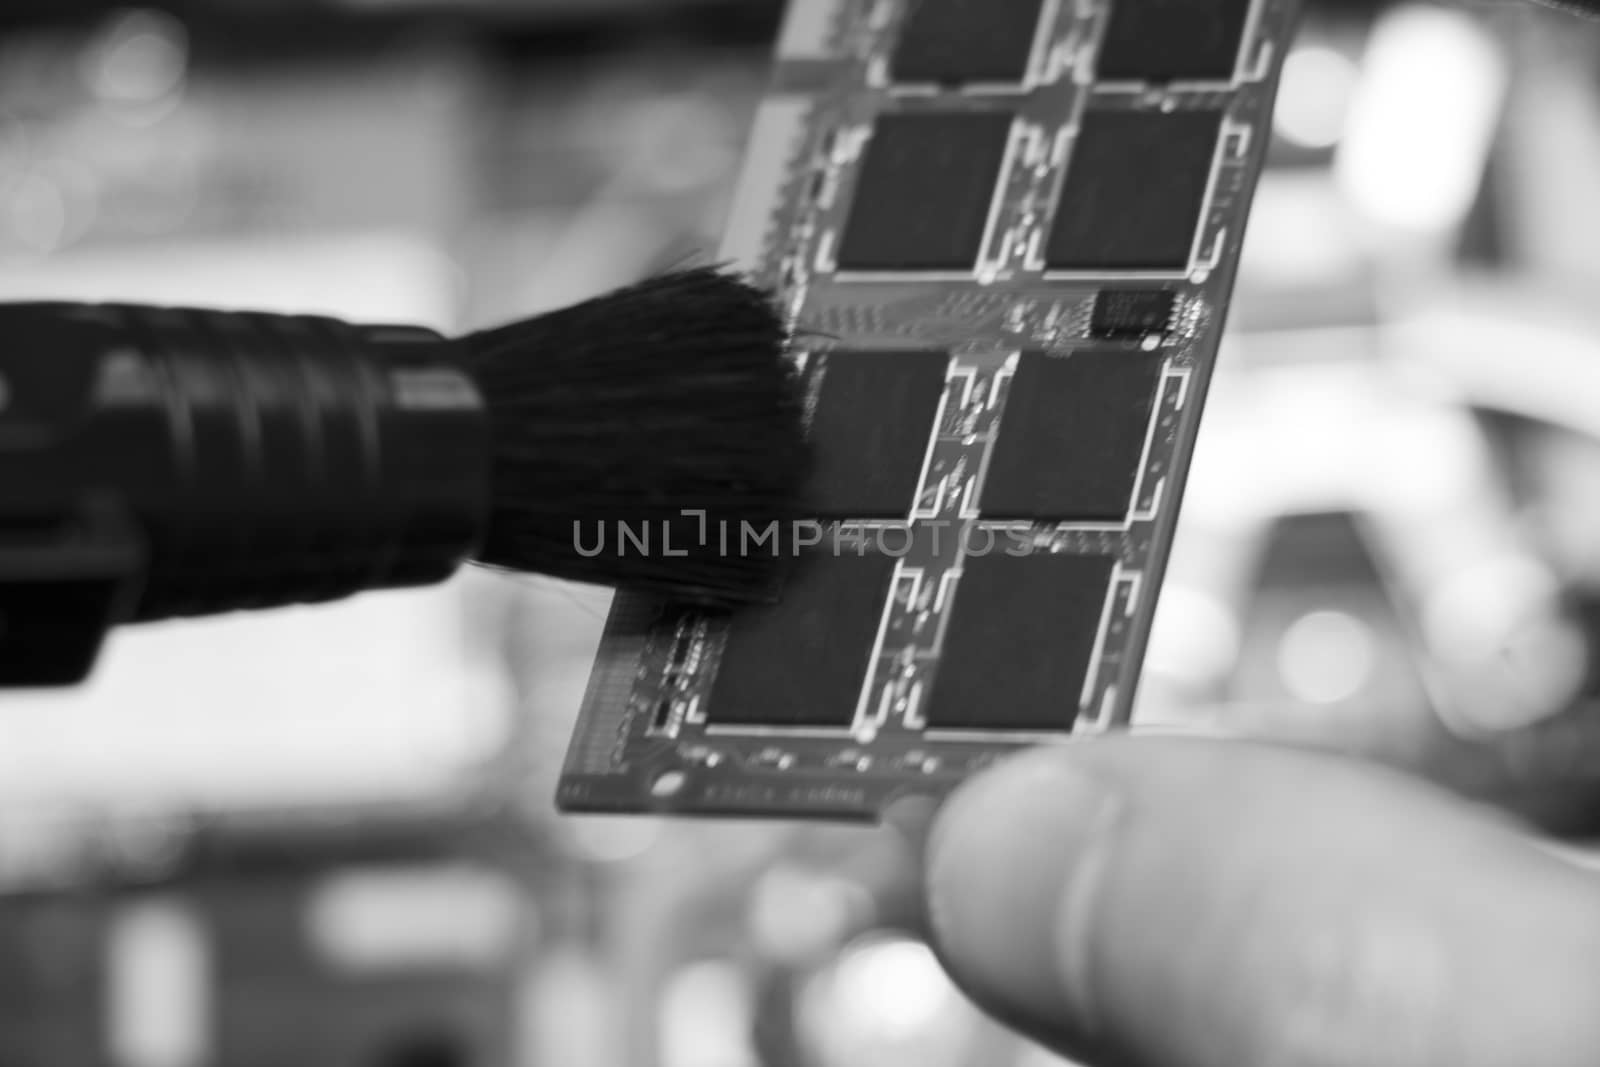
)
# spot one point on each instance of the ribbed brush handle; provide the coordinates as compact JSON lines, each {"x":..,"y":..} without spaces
{"x":265,"y":459}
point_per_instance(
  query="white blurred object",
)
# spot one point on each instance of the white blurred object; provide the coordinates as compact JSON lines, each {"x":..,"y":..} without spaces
{"x":707,"y":1017}
{"x":139,"y":56}
{"x":37,"y":213}
{"x":368,"y":275}
{"x":568,"y":1010}
{"x":687,"y":140}
{"x":1039,"y":1056}
{"x":1586,"y":858}
{"x":400,"y":919}
{"x":1300,"y":233}
{"x":373,"y":699}
{"x":614,"y":838}
{"x":887,"y":1001}
{"x":1196,"y":638}
{"x":797,"y":915}
{"x":1314,"y":96}
{"x":901,"y":980}
{"x":1326,"y":657}
{"x":1381,"y":439}
{"x":158,"y":983}
{"x":1423,"y":119}
{"x":1506,"y":350}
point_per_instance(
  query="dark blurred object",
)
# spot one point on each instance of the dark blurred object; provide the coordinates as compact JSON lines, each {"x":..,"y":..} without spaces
{"x":1324,"y":628}
{"x":425,"y":1050}
{"x":263,"y":461}
{"x":372,"y":941}
{"x":728,"y":15}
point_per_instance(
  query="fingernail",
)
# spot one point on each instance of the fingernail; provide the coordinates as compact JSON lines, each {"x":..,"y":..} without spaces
{"x":1013,"y":866}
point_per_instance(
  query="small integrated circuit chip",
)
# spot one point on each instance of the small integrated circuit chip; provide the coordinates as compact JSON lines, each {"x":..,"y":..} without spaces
{"x":925,"y":192}
{"x":1135,"y":191}
{"x":870,"y":431}
{"x":1021,"y":643}
{"x":1121,"y":314}
{"x":802,"y":663}
{"x":1072,"y":437}
{"x":963,"y":42}
{"x":1173,"y":40}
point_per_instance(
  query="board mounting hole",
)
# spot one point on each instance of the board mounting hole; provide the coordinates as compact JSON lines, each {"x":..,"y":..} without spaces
{"x":669,"y":784}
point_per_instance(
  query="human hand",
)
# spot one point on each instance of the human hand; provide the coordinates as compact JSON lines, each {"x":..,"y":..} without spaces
{"x":1147,"y":902}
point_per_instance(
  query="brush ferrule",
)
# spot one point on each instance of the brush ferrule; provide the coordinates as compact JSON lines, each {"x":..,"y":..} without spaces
{"x":266,"y":460}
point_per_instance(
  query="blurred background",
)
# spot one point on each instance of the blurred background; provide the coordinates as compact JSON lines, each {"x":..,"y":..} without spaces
{"x":326,"y":837}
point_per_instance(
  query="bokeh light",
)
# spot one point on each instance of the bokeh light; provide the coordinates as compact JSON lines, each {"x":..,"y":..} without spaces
{"x":382,"y":919}
{"x":159,"y":976}
{"x":1314,"y":96}
{"x":140,"y":57}
{"x":608,"y":839}
{"x":1326,"y":657}
{"x":707,"y":1016}
{"x":886,"y":1001}
{"x":1423,"y":118}
{"x":796,"y":915}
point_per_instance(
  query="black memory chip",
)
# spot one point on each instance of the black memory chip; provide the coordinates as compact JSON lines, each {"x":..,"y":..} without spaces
{"x":925,"y":191}
{"x":1132,"y":313}
{"x":801,"y":663}
{"x":870,"y":431}
{"x":1072,"y":436}
{"x":1021,"y":643}
{"x":1134,"y":192}
{"x":956,"y":42}
{"x":1173,"y":40}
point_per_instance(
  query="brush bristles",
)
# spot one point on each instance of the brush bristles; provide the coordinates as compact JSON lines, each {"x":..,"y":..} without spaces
{"x":638,"y":436}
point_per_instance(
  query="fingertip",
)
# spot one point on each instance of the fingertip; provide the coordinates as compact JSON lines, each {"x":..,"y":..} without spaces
{"x":1012,"y":869}
{"x":1214,"y":904}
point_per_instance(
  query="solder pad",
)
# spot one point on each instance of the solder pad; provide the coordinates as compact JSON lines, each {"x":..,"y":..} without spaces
{"x":1006,"y":235}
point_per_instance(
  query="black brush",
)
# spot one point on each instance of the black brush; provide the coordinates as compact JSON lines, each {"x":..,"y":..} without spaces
{"x":161,"y":462}
{"x":687,"y":460}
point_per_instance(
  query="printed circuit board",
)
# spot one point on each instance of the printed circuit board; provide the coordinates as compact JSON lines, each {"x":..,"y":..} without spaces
{"x":1006,"y":232}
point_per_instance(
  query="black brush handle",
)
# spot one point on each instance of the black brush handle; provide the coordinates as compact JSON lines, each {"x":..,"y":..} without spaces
{"x":264,"y":460}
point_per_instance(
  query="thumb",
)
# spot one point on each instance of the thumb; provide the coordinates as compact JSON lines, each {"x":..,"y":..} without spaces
{"x":1166,"y":903}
